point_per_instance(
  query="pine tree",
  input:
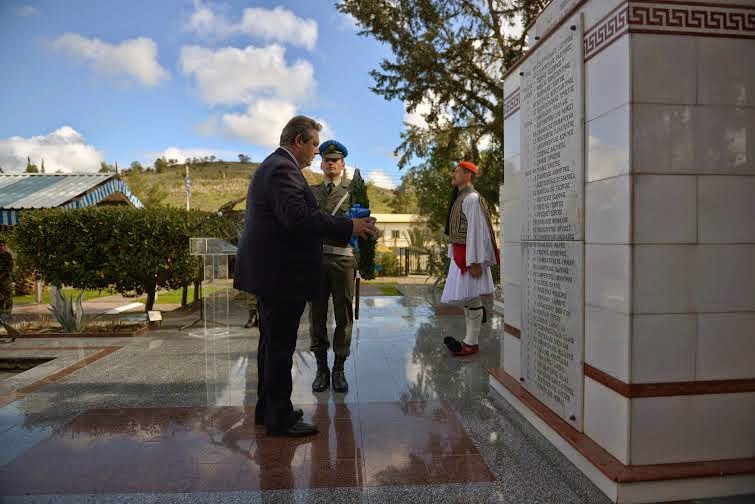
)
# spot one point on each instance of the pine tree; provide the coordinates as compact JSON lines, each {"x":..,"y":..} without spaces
{"x":366,"y":255}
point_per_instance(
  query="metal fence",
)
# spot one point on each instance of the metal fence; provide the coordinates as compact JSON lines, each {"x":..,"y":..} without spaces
{"x":412,"y":261}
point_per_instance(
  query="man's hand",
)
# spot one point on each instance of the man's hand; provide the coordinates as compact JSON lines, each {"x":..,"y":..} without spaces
{"x":364,"y":228}
{"x":475,"y":270}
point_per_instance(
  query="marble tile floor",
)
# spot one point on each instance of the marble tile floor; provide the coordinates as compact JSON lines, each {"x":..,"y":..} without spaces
{"x":162,"y":419}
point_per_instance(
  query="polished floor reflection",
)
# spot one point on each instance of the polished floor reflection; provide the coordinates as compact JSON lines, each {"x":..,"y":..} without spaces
{"x":167,"y":418}
{"x":220,"y":449}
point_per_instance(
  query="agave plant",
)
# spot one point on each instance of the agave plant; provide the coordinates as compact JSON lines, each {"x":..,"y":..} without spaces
{"x":69,"y":314}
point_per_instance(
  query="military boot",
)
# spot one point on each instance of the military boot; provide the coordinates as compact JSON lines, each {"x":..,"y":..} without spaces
{"x":253,"y":320}
{"x":322,"y":379}
{"x":339,"y":377}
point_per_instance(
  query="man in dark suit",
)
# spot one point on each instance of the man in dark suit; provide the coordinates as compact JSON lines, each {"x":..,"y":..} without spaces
{"x":279,"y":259}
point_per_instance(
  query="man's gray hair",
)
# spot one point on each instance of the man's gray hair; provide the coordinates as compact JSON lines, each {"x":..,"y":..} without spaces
{"x":299,"y":125}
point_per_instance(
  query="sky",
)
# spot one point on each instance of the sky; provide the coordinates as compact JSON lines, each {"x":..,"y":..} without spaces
{"x":86,"y":81}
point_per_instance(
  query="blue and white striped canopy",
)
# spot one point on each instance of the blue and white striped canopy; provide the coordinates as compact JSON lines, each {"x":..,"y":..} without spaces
{"x":29,"y":191}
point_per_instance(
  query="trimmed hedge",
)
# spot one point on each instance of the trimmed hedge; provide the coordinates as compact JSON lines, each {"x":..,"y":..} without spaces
{"x":130,"y":251}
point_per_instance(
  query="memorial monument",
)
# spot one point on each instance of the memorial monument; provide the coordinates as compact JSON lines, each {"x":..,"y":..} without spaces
{"x":629,"y":246}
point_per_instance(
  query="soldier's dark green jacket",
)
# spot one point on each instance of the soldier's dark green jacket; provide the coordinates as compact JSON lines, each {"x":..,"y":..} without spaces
{"x":337,"y":281}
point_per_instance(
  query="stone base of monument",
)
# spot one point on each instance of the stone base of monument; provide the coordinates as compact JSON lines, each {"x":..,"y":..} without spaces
{"x":625,"y":483}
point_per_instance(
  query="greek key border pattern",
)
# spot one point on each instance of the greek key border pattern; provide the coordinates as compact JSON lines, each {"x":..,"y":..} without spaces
{"x":670,"y":19}
{"x":511,"y":104}
{"x":606,"y":32}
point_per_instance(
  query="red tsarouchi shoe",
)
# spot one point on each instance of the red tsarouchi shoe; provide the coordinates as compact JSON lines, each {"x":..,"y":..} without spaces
{"x":459,"y":348}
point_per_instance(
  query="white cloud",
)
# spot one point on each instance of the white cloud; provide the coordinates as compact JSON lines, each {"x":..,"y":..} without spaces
{"x":231,"y":75}
{"x":346,"y":22}
{"x":379,"y":178}
{"x":417,"y":116}
{"x":484,"y":142}
{"x":133,"y":59}
{"x":64,"y":149}
{"x":26,"y":10}
{"x":277,"y":25}
{"x":261,"y":123}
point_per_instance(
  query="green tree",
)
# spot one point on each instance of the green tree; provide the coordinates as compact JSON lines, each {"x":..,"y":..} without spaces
{"x":106,"y":168}
{"x":150,"y":193}
{"x":136,"y":167}
{"x":31,"y":167}
{"x":404,"y":197}
{"x":448,"y":58}
{"x":161,"y":164}
{"x":418,"y":236}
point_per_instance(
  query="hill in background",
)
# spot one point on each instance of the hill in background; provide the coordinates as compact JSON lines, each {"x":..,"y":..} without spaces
{"x":214,"y":184}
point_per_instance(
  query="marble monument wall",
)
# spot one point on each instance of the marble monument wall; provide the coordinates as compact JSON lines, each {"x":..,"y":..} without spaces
{"x":668,"y":263}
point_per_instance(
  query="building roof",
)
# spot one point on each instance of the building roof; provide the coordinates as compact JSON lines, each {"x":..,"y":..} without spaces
{"x":395,"y":218}
{"x":31,"y":190}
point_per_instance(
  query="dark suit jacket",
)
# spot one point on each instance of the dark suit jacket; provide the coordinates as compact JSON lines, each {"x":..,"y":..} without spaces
{"x":327,"y":202}
{"x":280,"y":251}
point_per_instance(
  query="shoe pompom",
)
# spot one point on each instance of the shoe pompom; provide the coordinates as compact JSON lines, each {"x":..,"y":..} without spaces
{"x":452,"y":344}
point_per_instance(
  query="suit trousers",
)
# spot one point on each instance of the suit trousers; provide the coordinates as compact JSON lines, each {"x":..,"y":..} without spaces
{"x":279,"y":324}
{"x":337,"y":282}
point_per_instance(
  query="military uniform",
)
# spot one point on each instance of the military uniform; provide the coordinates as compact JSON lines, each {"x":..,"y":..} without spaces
{"x":251,"y":306}
{"x":338,"y":264}
{"x":6,"y":287}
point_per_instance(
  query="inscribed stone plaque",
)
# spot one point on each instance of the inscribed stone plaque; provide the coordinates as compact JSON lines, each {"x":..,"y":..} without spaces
{"x":553,"y":325}
{"x":552,"y":156}
{"x":551,"y":15}
{"x":552,"y":137}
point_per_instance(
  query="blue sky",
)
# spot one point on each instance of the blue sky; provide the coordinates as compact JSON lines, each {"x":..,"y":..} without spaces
{"x":85,"y":81}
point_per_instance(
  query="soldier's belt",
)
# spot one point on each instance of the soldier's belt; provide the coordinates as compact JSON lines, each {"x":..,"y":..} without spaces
{"x":342,"y":251}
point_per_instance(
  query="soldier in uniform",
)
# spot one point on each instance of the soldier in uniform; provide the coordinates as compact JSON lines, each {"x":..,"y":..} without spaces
{"x":338,"y":262}
{"x":6,"y":288}
{"x":251,"y":306}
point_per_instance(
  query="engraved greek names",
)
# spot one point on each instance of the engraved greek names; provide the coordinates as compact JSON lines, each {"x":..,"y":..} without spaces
{"x":552,"y":140}
{"x":552,"y":323}
{"x":552,"y":240}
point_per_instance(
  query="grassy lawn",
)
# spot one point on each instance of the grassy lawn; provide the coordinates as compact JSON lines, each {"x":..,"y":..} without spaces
{"x":47,"y":296}
{"x":174,"y":296}
{"x":389,"y":289}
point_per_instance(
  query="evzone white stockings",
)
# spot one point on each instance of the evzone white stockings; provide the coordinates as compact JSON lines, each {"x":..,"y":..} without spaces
{"x":474,"y":315}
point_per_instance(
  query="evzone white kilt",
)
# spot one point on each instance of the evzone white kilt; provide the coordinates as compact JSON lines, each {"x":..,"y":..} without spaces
{"x":460,"y":288}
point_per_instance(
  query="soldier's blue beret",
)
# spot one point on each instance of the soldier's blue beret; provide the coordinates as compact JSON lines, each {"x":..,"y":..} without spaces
{"x":333,"y":149}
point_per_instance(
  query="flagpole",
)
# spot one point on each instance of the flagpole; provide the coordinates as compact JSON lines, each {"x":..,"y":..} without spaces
{"x":188,"y":190}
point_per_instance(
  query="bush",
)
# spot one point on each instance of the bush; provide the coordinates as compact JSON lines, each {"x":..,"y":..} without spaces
{"x":23,"y":272}
{"x":388,"y":263}
{"x":128,"y":250}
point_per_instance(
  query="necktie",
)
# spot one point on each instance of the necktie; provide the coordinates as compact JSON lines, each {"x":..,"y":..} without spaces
{"x":329,"y":187}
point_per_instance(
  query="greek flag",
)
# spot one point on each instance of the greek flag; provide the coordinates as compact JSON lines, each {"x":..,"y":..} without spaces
{"x":188,"y":187}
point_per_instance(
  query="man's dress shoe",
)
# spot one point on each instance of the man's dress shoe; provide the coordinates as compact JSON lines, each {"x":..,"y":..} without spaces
{"x":298,"y":414}
{"x":299,"y":429}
